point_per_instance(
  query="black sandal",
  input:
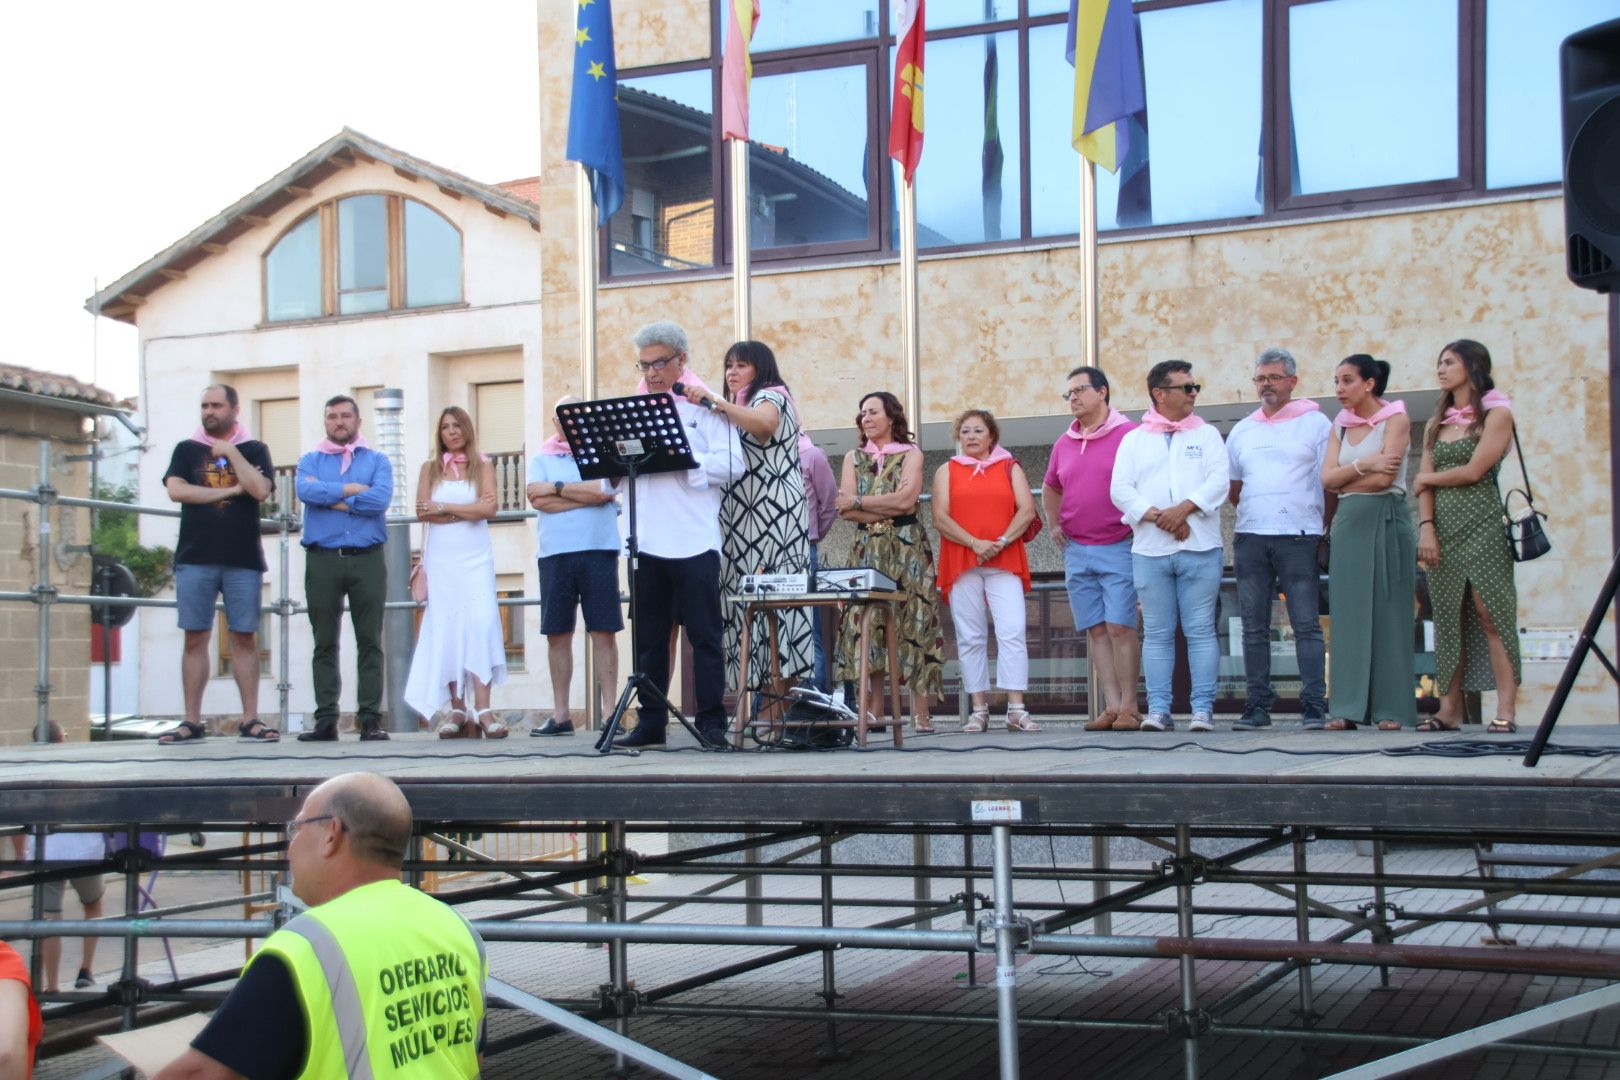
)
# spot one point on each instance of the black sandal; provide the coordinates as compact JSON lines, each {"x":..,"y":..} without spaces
{"x":256,"y":730}
{"x":1339,"y":723}
{"x":188,"y":731}
{"x":1434,"y":724}
{"x":1499,"y":726}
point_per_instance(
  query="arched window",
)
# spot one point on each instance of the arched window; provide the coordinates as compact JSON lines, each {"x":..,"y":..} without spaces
{"x":363,"y":253}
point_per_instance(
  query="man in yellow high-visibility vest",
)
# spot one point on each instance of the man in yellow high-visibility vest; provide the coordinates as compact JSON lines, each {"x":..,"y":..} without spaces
{"x":375,"y":980}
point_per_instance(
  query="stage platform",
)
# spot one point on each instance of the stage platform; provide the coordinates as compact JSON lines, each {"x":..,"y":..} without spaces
{"x":1062,"y":776}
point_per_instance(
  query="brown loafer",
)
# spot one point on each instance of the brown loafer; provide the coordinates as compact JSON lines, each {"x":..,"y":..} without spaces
{"x":1130,"y":721}
{"x":1105,"y":722}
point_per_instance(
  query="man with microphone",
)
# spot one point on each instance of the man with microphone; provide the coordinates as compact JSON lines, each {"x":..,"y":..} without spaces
{"x":679,"y":566}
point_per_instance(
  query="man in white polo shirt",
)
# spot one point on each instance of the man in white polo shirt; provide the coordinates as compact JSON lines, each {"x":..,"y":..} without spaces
{"x":1169,"y":481}
{"x":1276,"y":463}
{"x":678,"y":571}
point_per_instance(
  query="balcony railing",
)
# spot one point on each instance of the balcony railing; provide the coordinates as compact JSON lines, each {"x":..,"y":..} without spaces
{"x":510,"y":477}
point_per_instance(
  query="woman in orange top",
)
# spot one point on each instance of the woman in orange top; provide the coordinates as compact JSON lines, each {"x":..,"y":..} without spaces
{"x":19,"y":1016}
{"x":982,"y":505}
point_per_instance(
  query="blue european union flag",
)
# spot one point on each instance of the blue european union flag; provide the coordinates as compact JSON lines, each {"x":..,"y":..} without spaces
{"x":593,"y":115}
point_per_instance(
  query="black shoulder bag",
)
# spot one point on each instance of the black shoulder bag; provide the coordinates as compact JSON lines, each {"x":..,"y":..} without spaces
{"x":1526,"y":537}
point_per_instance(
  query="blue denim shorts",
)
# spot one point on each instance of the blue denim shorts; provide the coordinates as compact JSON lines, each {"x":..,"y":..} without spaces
{"x":586,"y":580}
{"x":1101,"y":584}
{"x":196,"y":585}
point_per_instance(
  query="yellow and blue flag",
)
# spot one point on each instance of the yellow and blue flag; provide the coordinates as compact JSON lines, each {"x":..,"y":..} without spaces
{"x":593,"y":114}
{"x":1104,"y":48}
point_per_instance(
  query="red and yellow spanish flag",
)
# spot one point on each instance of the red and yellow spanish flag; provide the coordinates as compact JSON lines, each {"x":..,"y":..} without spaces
{"x":736,"y":68}
{"x":906,"y":108}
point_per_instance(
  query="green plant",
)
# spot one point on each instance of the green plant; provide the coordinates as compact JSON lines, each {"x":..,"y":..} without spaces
{"x":117,"y":533}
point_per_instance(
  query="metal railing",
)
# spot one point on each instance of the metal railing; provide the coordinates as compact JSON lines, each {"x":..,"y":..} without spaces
{"x":511,"y":478}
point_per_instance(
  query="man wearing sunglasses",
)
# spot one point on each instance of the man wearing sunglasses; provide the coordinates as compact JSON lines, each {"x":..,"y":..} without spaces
{"x":374,"y":977}
{"x":1170,"y":479}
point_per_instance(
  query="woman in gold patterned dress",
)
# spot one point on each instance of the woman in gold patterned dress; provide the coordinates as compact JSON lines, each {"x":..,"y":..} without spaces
{"x":881,"y":482}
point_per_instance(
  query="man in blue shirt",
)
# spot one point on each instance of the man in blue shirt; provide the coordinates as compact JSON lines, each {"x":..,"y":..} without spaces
{"x":345,"y":487}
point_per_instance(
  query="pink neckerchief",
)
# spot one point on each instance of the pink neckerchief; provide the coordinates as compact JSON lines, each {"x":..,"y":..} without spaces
{"x":1464,"y":417}
{"x":327,"y":446}
{"x":556,"y":445}
{"x":1160,"y":426}
{"x":1078,"y":432}
{"x":980,"y":464}
{"x":238,"y":435}
{"x":452,"y":463}
{"x":1297,"y":407}
{"x":688,"y":378}
{"x":1348,"y":418}
{"x":878,"y":453}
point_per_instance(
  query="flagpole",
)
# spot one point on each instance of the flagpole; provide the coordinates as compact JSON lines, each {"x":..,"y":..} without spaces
{"x":908,"y":306}
{"x":1089,"y":336}
{"x":585,"y":228}
{"x":741,"y":241}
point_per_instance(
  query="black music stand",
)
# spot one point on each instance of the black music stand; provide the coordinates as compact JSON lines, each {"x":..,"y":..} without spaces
{"x":623,"y":438}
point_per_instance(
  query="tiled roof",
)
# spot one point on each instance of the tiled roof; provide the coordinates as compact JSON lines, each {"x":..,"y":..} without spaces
{"x":49,"y":384}
{"x":527,"y":188}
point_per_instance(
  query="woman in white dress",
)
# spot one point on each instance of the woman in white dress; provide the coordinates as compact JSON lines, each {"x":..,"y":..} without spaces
{"x":460,"y":639}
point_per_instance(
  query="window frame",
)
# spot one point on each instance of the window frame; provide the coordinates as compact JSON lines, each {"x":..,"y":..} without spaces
{"x":1276,"y":205}
{"x":395,"y":240}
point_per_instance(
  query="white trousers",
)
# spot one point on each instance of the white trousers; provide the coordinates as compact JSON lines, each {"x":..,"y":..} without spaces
{"x":980,"y":596}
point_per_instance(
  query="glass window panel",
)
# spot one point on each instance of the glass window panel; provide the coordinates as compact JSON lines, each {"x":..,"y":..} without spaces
{"x":1522,"y":115}
{"x":292,"y":273}
{"x":969,"y":181}
{"x":789,"y":24}
{"x":432,"y":258}
{"x":808,"y":161}
{"x":362,"y":254}
{"x":1048,"y":7}
{"x":1203,"y":76}
{"x":944,"y":14}
{"x":1373,"y":85}
{"x":666,"y":124}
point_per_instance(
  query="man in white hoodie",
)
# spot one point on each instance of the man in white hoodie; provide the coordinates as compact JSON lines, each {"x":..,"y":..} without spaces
{"x":1170,"y":479}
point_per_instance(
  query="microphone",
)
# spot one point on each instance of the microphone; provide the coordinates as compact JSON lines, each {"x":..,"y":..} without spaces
{"x":680,"y":388}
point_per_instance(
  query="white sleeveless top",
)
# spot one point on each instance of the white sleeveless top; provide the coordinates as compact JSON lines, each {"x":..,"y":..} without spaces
{"x":1352,"y":452}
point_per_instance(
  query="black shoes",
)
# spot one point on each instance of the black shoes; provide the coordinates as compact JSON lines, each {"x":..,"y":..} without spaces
{"x":320,"y":733}
{"x":553,"y":727}
{"x":714,"y":738}
{"x":84,"y":981}
{"x":373,"y":733}
{"x":640,"y":737}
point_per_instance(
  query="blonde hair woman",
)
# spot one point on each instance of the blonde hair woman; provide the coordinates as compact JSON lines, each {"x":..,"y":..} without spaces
{"x":460,"y":641}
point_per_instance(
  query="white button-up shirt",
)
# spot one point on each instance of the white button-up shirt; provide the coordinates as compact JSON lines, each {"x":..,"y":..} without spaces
{"x":1153,"y":469}
{"x":678,"y":513}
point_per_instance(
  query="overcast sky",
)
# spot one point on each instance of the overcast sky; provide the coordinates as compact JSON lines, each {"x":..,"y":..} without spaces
{"x":126,"y":125}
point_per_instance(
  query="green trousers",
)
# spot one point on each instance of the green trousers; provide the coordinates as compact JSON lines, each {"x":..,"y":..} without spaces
{"x":1372,"y":581}
{"x":329,"y":579}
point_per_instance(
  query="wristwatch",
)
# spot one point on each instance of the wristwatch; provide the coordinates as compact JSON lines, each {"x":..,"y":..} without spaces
{"x":559,"y":486}
{"x":857,"y":502}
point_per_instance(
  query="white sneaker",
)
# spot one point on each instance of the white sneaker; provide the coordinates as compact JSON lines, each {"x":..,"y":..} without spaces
{"x":1158,"y":721}
{"x":1201,"y":721}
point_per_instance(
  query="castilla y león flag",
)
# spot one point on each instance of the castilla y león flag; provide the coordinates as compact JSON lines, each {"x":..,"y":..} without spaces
{"x":906,"y":111}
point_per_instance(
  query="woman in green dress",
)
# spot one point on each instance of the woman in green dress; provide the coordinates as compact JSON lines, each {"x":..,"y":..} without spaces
{"x":1372,"y":566}
{"x":881,"y":482}
{"x":1461,"y":542}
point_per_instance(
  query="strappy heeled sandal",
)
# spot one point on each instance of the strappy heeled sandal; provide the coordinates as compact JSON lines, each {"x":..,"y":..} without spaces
{"x":1018,"y":719}
{"x":450,"y":727}
{"x":494,"y":727}
{"x":977,"y":721}
{"x":923,"y":725}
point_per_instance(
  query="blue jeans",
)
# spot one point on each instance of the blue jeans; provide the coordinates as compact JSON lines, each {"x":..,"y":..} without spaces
{"x":1264,"y":564}
{"x":1185,"y":585}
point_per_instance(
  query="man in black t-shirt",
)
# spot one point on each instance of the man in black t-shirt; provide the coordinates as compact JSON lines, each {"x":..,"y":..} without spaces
{"x":219,"y":477}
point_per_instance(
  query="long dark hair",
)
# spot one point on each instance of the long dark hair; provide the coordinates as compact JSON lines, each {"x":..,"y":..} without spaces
{"x":760,"y":356}
{"x":1369,"y":368}
{"x":1476,"y":360}
{"x":895,"y":412}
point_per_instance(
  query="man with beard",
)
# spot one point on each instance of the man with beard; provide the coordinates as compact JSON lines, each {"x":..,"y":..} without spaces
{"x":345,"y":487}
{"x":219,"y":477}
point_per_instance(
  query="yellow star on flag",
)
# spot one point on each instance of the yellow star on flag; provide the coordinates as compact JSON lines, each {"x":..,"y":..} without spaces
{"x":581,"y":36}
{"x":595,"y":70}
{"x":586,"y":3}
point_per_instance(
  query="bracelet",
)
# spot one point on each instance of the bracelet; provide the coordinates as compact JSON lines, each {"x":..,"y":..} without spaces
{"x":1356,"y":465}
{"x":1426,"y":521}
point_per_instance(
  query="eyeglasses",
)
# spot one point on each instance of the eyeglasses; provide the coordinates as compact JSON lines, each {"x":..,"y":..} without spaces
{"x":657,"y":365}
{"x":1271,"y":380}
{"x":1185,"y":388}
{"x":295,"y":824}
{"x":1071,"y":394}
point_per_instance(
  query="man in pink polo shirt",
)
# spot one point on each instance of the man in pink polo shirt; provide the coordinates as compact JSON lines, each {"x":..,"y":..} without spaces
{"x":1096,"y":545}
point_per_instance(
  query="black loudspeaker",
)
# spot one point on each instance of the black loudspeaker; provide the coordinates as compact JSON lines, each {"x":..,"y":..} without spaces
{"x":1589,"y":70}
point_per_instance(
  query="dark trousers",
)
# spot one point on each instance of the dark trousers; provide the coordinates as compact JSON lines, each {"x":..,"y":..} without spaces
{"x":691,"y":587}
{"x":329,"y":578}
{"x":1263,"y":565}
